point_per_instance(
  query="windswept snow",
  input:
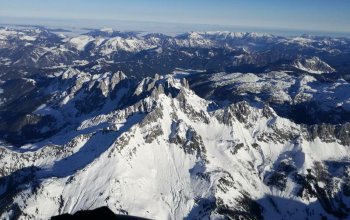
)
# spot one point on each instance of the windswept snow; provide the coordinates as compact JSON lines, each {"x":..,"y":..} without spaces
{"x":80,"y":42}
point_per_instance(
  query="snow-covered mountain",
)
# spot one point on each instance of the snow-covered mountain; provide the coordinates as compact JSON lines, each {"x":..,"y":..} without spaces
{"x":313,"y":65}
{"x":171,"y":155}
{"x":204,"y":125}
{"x":157,"y":53}
{"x":302,"y":97}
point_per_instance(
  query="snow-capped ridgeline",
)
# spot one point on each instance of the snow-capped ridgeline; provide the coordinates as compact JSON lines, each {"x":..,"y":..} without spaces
{"x":276,"y":87}
{"x":157,"y":150}
{"x":59,"y":48}
{"x":313,"y":65}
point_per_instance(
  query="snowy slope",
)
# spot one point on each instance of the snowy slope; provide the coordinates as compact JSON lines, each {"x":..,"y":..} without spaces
{"x":277,"y":88}
{"x":313,"y":65}
{"x":173,"y":155}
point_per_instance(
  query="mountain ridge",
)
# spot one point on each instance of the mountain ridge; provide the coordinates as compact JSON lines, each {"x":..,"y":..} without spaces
{"x":162,"y":141}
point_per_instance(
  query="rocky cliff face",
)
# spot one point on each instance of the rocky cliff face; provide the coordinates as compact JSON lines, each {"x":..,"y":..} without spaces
{"x":155,"y":149}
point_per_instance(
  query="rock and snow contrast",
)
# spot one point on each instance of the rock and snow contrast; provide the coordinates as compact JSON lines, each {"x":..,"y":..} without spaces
{"x":313,"y":65}
{"x":191,"y":136}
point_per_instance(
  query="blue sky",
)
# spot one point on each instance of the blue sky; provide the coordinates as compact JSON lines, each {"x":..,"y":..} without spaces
{"x":318,"y":15}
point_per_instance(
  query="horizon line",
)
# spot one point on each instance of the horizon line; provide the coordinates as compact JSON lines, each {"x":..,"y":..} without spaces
{"x":260,"y":29}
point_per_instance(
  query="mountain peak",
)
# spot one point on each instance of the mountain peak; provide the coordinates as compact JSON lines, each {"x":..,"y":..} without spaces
{"x":312,"y":65}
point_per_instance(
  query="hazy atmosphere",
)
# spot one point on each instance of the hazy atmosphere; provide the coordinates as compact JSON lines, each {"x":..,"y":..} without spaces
{"x":307,"y":16}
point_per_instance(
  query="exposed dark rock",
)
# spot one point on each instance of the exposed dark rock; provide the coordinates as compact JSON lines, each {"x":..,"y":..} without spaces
{"x":248,"y":209}
{"x":96,"y":214}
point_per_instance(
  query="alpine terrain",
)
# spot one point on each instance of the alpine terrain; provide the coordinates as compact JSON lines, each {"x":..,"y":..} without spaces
{"x":202,"y":125}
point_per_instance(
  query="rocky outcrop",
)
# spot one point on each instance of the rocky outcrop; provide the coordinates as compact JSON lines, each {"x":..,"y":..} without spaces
{"x":330,"y":133}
